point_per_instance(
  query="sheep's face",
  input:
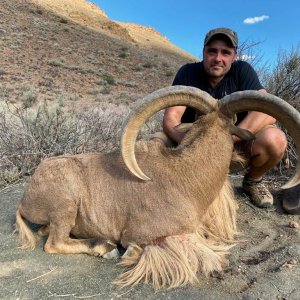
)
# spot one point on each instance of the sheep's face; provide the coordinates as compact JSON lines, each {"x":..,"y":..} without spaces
{"x":219,"y":123}
{"x":198,"y":129}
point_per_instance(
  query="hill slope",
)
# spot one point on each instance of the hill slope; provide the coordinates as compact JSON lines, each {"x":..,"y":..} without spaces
{"x":70,"y":49}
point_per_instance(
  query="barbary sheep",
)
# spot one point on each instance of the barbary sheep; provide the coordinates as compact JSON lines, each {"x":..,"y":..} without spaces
{"x":179,"y":223}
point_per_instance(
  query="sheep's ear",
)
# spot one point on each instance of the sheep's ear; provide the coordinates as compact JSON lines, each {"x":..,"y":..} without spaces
{"x":184,"y":127}
{"x":243,"y":134}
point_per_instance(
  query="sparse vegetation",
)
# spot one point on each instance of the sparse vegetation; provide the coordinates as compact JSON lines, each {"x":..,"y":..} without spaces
{"x":105,"y":90}
{"x":63,"y":21}
{"x":56,"y":62}
{"x":129,"y":84}
{"x":6,"y":90}
{"x":29,"y":97}
{"x":28,"y":135}
{"x":123,"y":54}
{"x":148,"y":65}
{"x":94,"y":91}
{"x":138,"y":68}
{"x":121,"y":69}
{"x":284,"y":82}
{"x":109,"y":79}
{"x":170,"y":73}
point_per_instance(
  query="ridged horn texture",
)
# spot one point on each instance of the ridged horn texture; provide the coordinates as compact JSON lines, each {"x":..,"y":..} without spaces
{"x":151,"y":104}
{"x":287,"y":115}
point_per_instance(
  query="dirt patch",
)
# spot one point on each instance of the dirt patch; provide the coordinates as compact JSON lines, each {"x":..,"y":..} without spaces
{"x":264,"y":266}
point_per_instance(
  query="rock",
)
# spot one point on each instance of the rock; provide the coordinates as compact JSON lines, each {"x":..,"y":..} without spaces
{"x":293,"y":224}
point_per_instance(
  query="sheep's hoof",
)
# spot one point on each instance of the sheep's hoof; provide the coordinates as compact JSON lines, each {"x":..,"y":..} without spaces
{"x":113,"y":254}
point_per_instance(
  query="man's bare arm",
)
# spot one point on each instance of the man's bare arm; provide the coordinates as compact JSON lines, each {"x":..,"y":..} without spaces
{"x":172,"y":118}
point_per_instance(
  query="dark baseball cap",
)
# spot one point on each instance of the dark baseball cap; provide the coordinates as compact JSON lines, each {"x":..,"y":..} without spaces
{"x":232,"y":35}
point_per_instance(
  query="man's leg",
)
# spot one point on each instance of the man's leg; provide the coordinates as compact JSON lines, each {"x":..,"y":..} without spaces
{"x":265,"y":153}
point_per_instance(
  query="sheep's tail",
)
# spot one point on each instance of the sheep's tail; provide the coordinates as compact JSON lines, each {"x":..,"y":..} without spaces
{"x":174,"y":262}
{"x":27,"y":239}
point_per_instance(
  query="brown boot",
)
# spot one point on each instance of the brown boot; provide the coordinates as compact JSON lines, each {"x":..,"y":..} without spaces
{"x":259,"y":193}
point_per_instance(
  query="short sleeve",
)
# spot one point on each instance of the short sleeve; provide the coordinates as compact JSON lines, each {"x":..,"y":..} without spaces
{"x":181,"y":76}
{"x":247,"y":78}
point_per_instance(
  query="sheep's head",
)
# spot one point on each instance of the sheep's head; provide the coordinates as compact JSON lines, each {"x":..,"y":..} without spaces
{"x":197,"y":128}
{"x":226,"y":108}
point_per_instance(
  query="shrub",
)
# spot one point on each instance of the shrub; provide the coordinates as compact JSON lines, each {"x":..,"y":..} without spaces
{"x":29,"y":135}
{"x":105,"y":90}
{"x":29,"y":98}
{"x":109,"y":79}
{"x":94,"y":91}
{"x":138,"y":68}
{"x":56,"y":62}
{"x":123,"y":54}
{"x":284,"y":82}
{"x":148,"y":65}
{"x":169,"y":73}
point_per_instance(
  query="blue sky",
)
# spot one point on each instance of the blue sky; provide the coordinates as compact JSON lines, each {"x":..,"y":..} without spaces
{"x":273,"y":23}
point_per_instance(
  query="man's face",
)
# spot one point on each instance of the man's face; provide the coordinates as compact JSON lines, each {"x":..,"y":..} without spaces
{"x":217,"y":58}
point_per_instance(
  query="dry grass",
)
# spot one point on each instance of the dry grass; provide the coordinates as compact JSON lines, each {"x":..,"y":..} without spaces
{"x":28,"y":135}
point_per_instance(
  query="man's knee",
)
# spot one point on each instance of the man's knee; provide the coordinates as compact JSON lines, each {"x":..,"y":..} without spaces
{"x":272,"y":140}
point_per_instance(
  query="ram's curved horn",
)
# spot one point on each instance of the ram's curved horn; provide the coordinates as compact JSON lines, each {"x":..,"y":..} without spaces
{"x":287,"y":115}
{"x":151,"y":104}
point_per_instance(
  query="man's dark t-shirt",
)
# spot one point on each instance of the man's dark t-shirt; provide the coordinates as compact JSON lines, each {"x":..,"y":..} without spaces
{"x":240,"y":77}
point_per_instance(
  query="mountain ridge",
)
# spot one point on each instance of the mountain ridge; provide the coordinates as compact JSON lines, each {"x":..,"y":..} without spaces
{"x":71,"y":50}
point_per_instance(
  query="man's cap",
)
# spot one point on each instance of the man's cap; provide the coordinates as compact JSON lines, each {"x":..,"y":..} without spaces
{"x":232,"y":35}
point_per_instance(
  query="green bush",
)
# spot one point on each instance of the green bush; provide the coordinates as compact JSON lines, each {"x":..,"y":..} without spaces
{"x":109,"y":79}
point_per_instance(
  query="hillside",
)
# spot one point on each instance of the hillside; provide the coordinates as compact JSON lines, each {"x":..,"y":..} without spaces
{"x":71,"y":50}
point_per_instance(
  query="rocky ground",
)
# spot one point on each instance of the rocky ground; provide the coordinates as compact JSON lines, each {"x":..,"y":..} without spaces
{"x":264,"y":266}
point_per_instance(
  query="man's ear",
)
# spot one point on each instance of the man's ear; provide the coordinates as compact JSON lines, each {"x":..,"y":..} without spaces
{"x":235,"y":56}
{"x":184,"y":127}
